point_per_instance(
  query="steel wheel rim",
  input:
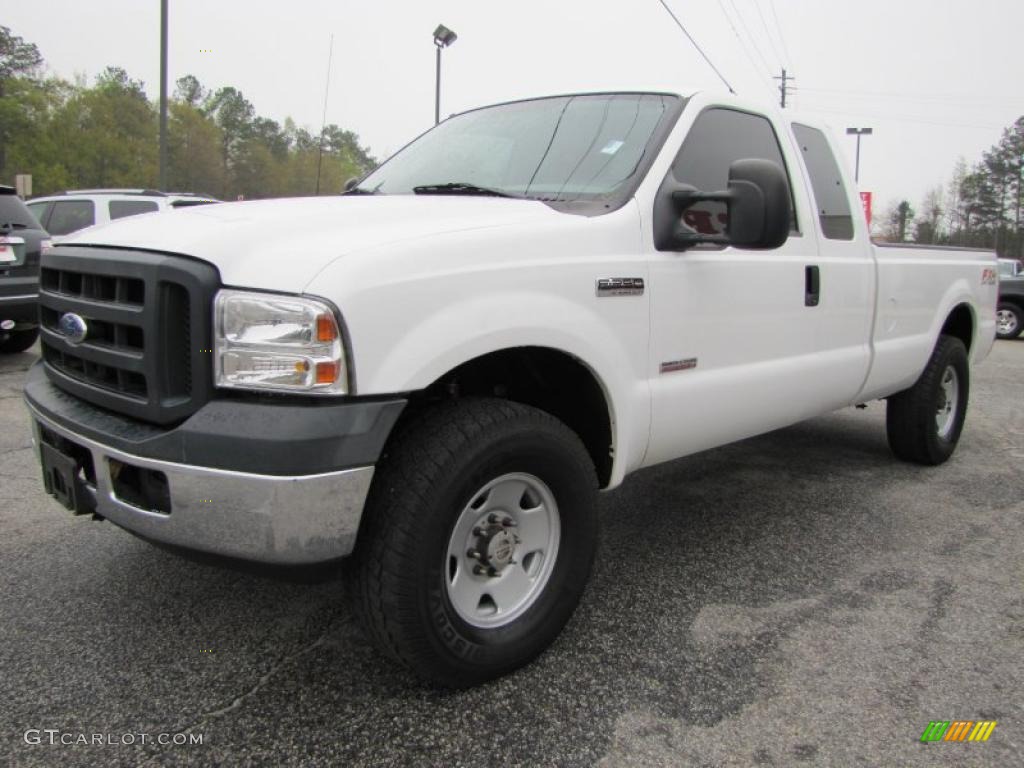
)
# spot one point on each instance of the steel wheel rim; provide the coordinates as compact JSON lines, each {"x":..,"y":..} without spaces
{"x":1006,"y":321}
{"x":493,"y":571}
{"x":949,"y":399}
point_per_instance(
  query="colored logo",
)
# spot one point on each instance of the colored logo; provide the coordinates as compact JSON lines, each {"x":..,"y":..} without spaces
{"x":958,"y":730}
{"x":73,"y":327}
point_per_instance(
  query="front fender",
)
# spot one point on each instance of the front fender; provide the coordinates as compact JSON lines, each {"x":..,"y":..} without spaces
{"x":476,"y":326}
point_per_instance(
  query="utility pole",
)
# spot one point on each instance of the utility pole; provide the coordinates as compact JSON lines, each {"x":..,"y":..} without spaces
{"x":163,"y":94}
{"x":783,"y":88}
{"x":858,"y":132}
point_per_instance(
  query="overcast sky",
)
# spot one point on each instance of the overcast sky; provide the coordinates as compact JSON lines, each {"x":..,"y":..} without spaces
{"x":936,"y":79}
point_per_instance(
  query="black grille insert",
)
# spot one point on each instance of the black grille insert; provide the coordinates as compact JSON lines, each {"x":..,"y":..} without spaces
{"x":123,"y":290}
{"x":147,"y":316}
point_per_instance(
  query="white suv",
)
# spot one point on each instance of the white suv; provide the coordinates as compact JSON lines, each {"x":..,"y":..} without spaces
{"x":67,"y":212}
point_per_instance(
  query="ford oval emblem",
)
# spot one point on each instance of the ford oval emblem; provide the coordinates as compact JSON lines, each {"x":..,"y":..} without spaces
{"x":73,"y":327}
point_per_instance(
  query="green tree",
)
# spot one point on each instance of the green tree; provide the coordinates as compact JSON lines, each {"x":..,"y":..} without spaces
{"x":105,"y":134}
{"x":18,"y":60}
{"x":193,"y":150}
{"x":233,"y":114}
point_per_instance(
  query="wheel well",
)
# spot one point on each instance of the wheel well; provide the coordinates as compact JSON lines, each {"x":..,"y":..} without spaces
{"x":544,"y":378}
{"x":960,"y":325}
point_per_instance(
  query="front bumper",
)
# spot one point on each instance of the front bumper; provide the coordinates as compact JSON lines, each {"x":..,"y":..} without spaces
{"x":283,"y":519}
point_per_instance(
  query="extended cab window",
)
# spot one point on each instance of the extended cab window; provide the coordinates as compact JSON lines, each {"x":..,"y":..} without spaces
{"x":121,"y":208}
{"x":70,"y":215}
{"x":719,"y":137}
{"x":826,"y":182}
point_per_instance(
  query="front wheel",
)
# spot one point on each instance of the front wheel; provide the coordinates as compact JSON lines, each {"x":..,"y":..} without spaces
{"x":1009,"y":322}
{"x":924,"y":422}
{"x":478,"y":539}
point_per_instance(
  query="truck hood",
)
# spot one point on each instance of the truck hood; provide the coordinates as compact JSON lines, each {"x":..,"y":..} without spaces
{"x":282,"y":244}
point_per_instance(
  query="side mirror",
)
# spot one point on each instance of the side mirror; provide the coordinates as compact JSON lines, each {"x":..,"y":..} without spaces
{"x":758,"y":203}
{"x":351,"y":184}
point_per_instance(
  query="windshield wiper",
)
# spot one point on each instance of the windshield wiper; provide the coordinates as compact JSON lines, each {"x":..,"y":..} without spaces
{"x":459,"y":188}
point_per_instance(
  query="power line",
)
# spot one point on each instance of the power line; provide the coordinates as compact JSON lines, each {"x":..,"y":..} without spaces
{"x":768,"y":33}
{"x":902,"y":118}
{"x":753,"y":41}
{"x":782,"y":38}
{"x":699,"y":49}
{"x":952,"y":99}
{"x":739,"y":40}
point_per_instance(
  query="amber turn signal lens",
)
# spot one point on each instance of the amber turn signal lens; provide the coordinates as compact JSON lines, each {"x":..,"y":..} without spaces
{"x":326,"y":373}
{"x":326,"y":330}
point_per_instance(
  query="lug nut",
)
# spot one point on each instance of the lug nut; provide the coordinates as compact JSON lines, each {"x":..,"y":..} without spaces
{"x":508,"y":522}
{"x":479,"y":570}
{"x":473,"y":554}
{"x":478,"y":531}
{"x":492,"y":518}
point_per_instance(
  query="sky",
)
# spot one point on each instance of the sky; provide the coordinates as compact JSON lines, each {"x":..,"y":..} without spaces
{"x":935,"y":79}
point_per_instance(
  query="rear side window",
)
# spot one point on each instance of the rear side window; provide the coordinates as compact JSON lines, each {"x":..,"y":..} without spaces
{"x":121,"y":208}
{"x":719,"y":137}
{"x":13,"y":211}
{"x":39,"y":210}
{"x":70,"y":215}
{"x":827,"y":183}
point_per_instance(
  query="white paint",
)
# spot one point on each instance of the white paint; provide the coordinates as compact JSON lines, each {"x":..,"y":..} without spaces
{"x":427,"y":283}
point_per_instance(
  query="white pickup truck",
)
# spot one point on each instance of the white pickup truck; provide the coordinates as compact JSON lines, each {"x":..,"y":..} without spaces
{"x":437,"y":371}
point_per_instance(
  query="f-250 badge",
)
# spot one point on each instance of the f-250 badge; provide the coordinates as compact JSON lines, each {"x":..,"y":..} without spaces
{"x":620,"y":286}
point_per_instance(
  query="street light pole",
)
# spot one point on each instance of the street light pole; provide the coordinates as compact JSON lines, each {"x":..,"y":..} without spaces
{"x":437,"y":89}
{"x":163,"y":94}
{"x":858,"y":132}
{"x":443,"y":37}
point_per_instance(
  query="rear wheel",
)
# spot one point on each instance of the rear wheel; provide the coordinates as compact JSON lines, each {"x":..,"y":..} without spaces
{"x":1009,"y":322}
{"x":477,"y":542}
{"x":18,"y":341}
{"x":924,"y":422}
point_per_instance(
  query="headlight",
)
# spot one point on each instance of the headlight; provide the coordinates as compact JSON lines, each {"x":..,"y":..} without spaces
{"x":269,"y":341}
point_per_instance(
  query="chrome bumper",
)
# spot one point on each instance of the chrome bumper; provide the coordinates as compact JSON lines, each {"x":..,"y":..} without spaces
{"x":264,"y":518}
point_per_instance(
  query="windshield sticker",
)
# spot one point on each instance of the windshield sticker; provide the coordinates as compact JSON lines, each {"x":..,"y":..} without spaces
{"x":612,"y":147}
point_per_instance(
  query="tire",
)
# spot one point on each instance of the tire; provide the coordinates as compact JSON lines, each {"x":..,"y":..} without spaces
{"x":924,"y":422}
{"x":409,"y":575}
{"x":18,"y":341}
{"x":1009,"y":321}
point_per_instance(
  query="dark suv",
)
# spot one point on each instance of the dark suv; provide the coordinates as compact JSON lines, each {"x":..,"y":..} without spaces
{"x":21,"y":241}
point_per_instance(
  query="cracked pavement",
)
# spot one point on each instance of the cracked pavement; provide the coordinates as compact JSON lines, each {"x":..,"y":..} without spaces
{"x":798,"y":598}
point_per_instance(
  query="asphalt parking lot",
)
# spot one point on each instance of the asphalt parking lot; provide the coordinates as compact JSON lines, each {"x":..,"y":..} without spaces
{"x":799,"y":598}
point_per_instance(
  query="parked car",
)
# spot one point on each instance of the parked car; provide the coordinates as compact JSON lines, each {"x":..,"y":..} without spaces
{"x":437,"y":372}
{"x":21,"y":242}
{"x":67,"y":212}
{"x":1010,"y":268}
{"x":1010,"y":308}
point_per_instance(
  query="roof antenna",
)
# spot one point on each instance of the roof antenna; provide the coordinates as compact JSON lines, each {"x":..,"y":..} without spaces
{"x":699,"y":49}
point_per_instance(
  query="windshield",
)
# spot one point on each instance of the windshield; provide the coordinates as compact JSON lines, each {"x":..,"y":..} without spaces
{"x":562,"y":149}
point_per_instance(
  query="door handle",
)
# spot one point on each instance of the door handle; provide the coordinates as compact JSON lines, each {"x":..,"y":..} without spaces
{"x":812,"y":285}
